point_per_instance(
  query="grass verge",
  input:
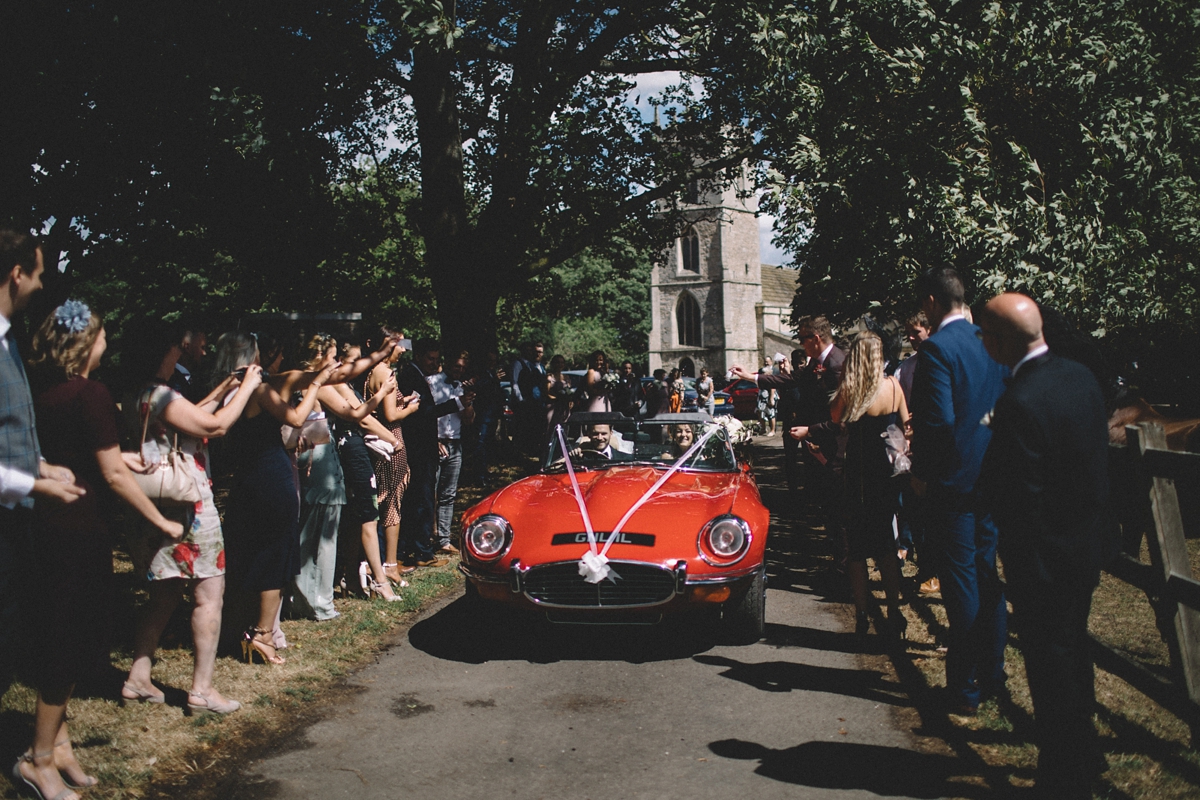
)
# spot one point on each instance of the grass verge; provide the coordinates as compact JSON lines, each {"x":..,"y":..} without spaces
{"x":1148,"y":748}
{"x":142,"y":751}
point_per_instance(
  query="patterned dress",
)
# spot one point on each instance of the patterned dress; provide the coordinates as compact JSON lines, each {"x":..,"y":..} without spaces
{"x":201,"y":552}
{"x":393,"y":475}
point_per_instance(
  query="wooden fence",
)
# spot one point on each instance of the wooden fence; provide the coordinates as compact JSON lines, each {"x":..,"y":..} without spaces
{"x":1145,"y":474}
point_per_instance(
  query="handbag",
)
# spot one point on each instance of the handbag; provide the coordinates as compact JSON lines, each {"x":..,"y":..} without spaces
{"x":897,"y":450}
{"x":313,"y":432}
{"x":168,"y":480}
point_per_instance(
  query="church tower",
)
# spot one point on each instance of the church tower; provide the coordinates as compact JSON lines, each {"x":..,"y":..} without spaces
{"x":706,"y":286}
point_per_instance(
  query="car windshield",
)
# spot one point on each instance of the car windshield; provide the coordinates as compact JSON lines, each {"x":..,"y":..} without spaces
{"x":600,"y":441}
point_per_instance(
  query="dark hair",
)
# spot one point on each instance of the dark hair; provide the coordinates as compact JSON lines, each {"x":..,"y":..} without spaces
{"x":818,"y":325}
{"x":918,"y":320}
{"x":17,"y":248}
{"x":143,"y":344}
{"x":425,"y":345}
{"x":942,"y":284}
{"x":798,"y":356}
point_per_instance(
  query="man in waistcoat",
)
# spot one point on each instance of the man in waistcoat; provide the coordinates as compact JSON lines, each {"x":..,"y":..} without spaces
{"x":24,"y":477}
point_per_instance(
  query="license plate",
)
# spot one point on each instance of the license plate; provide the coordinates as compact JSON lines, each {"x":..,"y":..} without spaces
{"x":642,"y":539}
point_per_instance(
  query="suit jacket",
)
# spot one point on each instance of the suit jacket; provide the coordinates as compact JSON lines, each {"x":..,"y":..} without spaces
{"x":956,"y":386}
{"x":420,"y":427}
{"x":1045,"y":475}
{"x":811,"y":390}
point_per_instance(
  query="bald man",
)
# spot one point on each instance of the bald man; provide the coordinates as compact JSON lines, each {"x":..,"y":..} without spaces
{"x":1045,"y":479}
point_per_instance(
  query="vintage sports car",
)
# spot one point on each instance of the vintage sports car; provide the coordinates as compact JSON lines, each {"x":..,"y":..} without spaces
{"x":628,"y":520}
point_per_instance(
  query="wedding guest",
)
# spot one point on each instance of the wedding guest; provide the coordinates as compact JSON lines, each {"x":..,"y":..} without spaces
{"x":867,"y":403}
{"x":956,"y":385}
{"x":1045,"y":477}
{"x":77,"y":427}
{"x":911,"y":542}
{"x":322,"y":486}
{"x":558,"y":395}
{"x":768,"y":399}
{"x":349,"y":430}
{"x":705,"y":390}
{"x":595,"y":387}
{"x":197,"y":561}
{"x":393,"y":474}
{"x":262,"y":516}
{"x":444,"y":386}
{"x":186,"y":377}
{"x":528,"y":380}
{"x":627,"y":394}
{"x":676,"y":389}
{"x":24,"y":479}
{"x":421,"y":438}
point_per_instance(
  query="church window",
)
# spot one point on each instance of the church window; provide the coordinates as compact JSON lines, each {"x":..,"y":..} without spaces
{"x":691,"y":251}
{"x":687,"y":320}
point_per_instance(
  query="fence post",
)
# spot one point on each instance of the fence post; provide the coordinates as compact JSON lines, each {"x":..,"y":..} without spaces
{"x":1173,"y":557}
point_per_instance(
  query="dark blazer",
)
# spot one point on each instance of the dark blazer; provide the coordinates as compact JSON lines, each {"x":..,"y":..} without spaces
{"x":956,"y":386}
{"x":420,"y":427}
{"x":1045,"y":475}
{"x":810,"y":390}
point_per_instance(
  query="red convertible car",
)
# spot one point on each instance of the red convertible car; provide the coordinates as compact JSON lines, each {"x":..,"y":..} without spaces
{"x":627,"y":521}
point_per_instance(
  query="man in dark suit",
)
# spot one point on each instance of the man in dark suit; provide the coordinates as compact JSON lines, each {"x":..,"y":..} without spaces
{"x":810,"y":389}
{"x":421,"y":440}
{"x":24,"y":476}
{"x":955,"y":387}
{"x":1045,"y":480}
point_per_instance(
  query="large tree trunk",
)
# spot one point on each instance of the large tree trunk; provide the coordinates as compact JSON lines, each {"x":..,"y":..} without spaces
{"x":466,"y":289}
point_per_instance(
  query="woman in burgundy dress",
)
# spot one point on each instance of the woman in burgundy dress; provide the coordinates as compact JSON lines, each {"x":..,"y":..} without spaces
{"x":77,"y":427}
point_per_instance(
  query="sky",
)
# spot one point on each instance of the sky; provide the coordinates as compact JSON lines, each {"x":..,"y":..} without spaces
{"x":652,"y":84}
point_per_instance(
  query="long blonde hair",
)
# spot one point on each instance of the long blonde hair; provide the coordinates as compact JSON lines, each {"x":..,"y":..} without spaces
{"x":862,"y":376}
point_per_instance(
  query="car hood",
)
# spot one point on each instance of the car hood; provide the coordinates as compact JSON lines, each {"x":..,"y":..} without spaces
{"x":547,"y":503}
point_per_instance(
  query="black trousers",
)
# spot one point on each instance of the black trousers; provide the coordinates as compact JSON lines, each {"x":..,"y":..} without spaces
{"x":419,"y":506}
{"x":1051,"y":621}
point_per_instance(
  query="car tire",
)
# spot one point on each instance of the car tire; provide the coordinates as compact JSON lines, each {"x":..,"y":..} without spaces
{"x":745,"y":619}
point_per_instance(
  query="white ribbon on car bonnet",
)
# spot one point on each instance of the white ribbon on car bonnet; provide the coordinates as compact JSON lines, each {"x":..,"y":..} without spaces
{"x":594,"y":564}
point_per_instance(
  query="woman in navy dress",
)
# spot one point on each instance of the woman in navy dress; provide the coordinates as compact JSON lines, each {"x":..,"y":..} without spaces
{"x":77,"y":427}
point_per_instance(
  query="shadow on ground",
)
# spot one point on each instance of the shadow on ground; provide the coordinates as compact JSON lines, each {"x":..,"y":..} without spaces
{"x":886,"y":771}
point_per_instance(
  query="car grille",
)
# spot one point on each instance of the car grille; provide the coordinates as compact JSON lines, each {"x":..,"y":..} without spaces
{"x":562,"y":585}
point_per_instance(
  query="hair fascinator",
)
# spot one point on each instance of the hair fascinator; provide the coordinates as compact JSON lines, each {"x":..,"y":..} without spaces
{"x":73,"y":316}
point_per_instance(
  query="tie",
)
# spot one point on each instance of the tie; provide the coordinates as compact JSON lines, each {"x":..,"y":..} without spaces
{"x":14,"y":351}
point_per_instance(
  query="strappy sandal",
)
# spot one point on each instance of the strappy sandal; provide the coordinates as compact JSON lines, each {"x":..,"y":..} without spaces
{"x":88,"y":780}
{"x":21,"y":783}
{"x":378,"y":589}
{"x":252,"y":645}
{"x":210,"y":706}
{"x":139,"y":696}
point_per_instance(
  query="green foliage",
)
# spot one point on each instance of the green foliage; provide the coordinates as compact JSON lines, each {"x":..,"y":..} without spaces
{"x":595,"y":301}
{"x":1038,"y":147}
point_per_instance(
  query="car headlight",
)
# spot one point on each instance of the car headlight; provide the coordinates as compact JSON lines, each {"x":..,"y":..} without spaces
{"x":488,"y":537}
{"x":724,"y":541}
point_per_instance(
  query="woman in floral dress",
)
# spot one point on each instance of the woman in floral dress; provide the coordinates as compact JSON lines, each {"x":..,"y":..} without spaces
{"x":198,"y":559}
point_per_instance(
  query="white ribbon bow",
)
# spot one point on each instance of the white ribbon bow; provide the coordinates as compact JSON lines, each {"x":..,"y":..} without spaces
{"x":593,"y":566}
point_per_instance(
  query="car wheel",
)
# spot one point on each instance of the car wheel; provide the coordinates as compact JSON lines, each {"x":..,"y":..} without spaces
{"x":745,"y":619}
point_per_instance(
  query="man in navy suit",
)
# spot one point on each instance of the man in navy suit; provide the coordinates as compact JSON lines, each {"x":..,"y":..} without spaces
{"x":954,"y":390}
{"x":1045,"y":478}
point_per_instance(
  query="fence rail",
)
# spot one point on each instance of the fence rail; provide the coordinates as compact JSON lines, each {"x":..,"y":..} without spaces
{"x":1145,"y":473}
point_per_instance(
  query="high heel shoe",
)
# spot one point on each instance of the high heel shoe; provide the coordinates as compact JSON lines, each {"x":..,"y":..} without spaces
{"x":364,"y":578}
{"x":20,"y":782}
{"x":252,"y":644}
{"x":86,"y":782}
{"x":385,"y":591}
{"x":210,"y":706}
{"x":862,"y":623}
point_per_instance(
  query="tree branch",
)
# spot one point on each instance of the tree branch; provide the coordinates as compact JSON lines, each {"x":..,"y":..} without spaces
{"x":473,"y":48}
{"x":608,"y":220}
{"x":646,"y":65}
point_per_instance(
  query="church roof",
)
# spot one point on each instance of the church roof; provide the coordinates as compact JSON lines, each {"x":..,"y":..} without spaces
{"x":778,"y":285}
